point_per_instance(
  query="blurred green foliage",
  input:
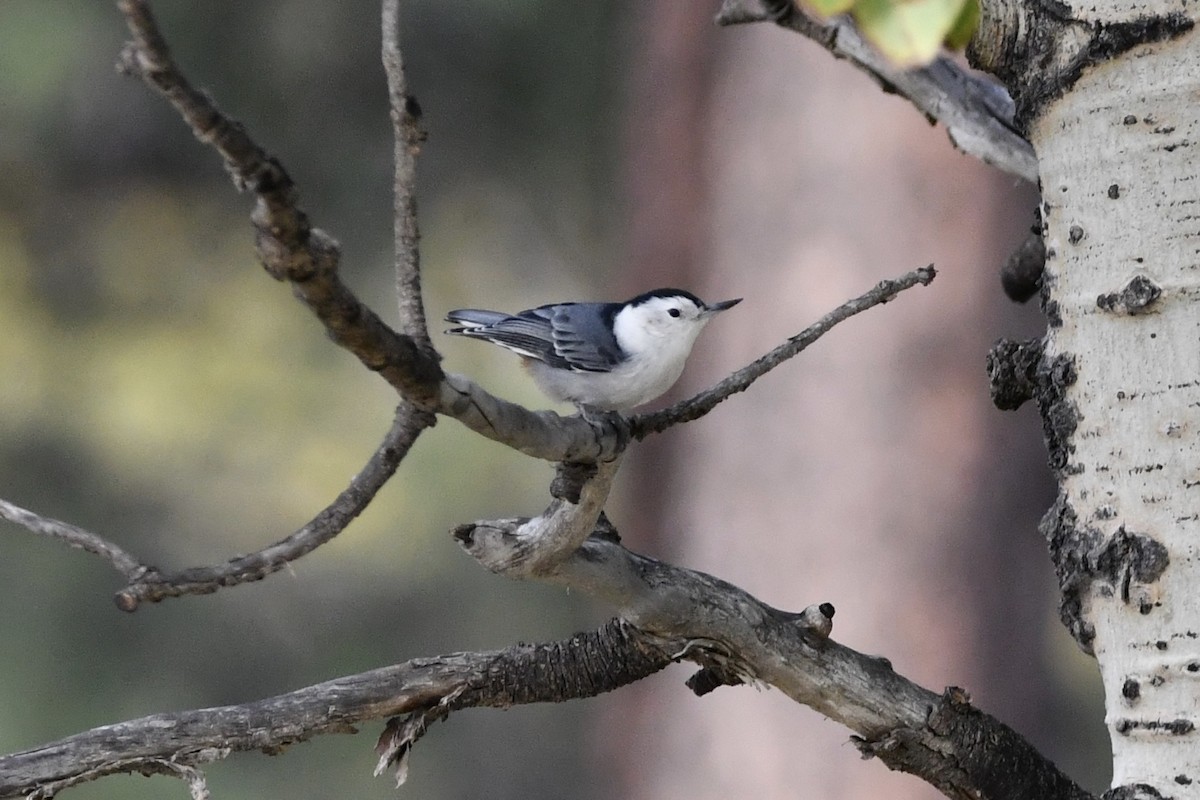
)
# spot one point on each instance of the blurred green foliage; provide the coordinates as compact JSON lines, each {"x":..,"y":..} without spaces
{"x":159,"y":389}
{"x":910,"y":33}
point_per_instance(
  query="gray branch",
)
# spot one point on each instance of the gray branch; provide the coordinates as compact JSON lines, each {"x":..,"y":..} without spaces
{"x":308,"y":258}
{"x":977,"y":112}
{"x":290,"y":248}
{"x":665,"y":612}
{"x":582,"y":666}
{"x":695,"y":407}
{"x":940,"y":738}
{"x":150,"y":584}
{"x":670,"y":613}
{"x":407,"y":134}
{"x":76,"y":537}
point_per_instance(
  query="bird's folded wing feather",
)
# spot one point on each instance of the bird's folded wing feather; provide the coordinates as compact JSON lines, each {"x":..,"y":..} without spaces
{"x":564,"y":336}
{"x":584,"y":339}
{"x":474,"y":318}
{"x":528,"y":334}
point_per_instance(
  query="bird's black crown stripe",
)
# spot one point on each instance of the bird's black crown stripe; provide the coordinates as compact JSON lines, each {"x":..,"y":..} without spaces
{"x":641,"y":298}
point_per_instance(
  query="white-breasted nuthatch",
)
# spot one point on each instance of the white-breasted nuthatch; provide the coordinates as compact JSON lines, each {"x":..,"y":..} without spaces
{"x":599,"y":356}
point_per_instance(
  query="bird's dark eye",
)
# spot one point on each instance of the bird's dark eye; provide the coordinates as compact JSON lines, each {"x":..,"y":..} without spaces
{"x":674,"y":312}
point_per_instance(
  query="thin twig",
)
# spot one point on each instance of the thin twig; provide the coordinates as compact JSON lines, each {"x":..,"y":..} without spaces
{"x":76,"y":537}
{"x":642,"y":425}
{"x":148,"y":584}
{"x":288,"y":246}
{"x":292,"y":250}
{"x":407,"y":134}
{"x":332,"y":520}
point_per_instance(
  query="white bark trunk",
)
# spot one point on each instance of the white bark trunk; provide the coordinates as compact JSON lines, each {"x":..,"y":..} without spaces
{"x":1121,"y":189}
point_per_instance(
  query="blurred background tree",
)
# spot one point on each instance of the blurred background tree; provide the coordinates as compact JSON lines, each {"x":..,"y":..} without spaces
{"x":160,"y":390}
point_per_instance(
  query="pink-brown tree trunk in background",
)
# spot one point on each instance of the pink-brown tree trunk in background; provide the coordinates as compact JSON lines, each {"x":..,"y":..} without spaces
{"x":871,"y":472}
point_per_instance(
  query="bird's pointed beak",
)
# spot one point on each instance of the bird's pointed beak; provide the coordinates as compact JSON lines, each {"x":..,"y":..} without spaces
{"x":713,"y":308}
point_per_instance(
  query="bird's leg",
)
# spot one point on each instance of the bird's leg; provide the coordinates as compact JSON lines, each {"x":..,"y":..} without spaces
{"x":603,"y":421}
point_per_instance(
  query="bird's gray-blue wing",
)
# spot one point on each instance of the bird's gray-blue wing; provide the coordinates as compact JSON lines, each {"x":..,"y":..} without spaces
{"x":474,"y":317}
{"x":572,"y":336}
{"x":583,"y":336}
{"x":528,"y":333}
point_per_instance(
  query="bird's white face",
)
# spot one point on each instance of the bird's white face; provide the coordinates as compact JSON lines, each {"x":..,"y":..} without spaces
{"x":658,"y":322}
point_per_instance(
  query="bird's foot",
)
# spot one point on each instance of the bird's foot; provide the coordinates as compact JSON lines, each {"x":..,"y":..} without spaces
{"x":606,"y":421}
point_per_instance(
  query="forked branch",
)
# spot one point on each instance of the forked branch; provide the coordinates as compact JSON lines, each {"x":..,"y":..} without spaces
{"x":289,"y":247}
{"x":150,"y":584}
{"x":305,"y":256}
{"x":292,"y":250}
{"x":671,"y":613}
{"x":665,"y":612}
{"x":941,"y":738}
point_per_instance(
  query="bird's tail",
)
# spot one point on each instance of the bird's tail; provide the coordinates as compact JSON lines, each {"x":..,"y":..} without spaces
{"x":472,"y":318}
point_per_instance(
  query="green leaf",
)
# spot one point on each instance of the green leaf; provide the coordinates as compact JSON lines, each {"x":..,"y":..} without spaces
{"x":963,"y":29}
{"x":910,"y":32}
{"x":828,"y":8}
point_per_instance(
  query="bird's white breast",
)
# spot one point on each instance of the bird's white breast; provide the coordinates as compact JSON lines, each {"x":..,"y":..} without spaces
{"x":632,"y":383}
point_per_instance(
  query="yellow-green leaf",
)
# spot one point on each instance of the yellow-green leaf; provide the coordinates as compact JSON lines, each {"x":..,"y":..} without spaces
{"x":826,"y":8}
{"x":963,"y":29}
{"x":909,"y":32}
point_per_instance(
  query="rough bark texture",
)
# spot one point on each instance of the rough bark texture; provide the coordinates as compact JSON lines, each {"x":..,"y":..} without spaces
{"x":1107,"y":93}
{"x":989,"y":759}
{"x":583,"y":666}
{"x":959,"y":750}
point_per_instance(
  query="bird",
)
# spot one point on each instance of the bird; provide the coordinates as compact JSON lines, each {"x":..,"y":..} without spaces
{"x":603,"y":357}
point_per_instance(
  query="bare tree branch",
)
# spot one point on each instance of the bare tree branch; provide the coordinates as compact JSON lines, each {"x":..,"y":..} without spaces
{"x":76,"y":537}
{"x":292,"y":250}
{"x":149,"y":584}
{"x":193,"y":777}
{"x":288,"y":246}
{"x":406,"y":131}
{"x":536,"y":547}
{"x":540,"y":434}
{"x":666,"y":612}
{"x":332,"y":520}
{"x":695,"y":407}
{"x":977,"y":112}
{"x":671,"y":613}
{"x":958,"y":749}
{"x":583,"y":666}
{"x":544,"y":434}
